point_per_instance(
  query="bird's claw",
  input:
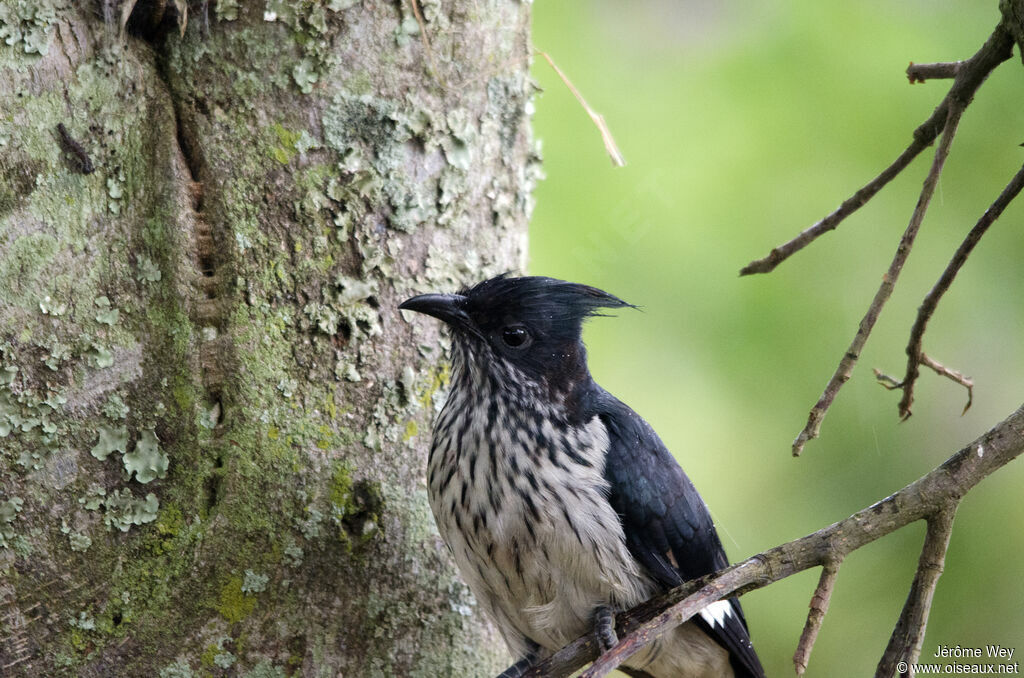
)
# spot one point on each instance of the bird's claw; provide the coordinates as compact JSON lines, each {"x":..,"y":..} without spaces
{"x":604,"y":628}
{"x":523,"y":665}
{"x":517,"y":669}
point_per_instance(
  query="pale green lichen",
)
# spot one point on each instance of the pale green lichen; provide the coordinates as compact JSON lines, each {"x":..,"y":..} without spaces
{"x":293,"y":552}
{"x":10,"y":509}
{"x":28,"y":23}
{"x":122,"y":509}
{"x":84,"y":621}
{"x":226,"y":10}
{"x":179,"y":669}
{"x":265,"y":670}
{"x":146,"y":460}
{"x":115,"y":408}
{"x":59,"y":353}
{"x":305,"y":75}
{"x":254,"y":582}
{"x":224,"y":660}
{"x":112,"y":439}
{"x":79,"y":541}
{"x":26,"y":263}
{"x":50,"y":307}
{"x":99,"y":356}
{"x":147,"y":270}
{"x":107,"y":314}
{"x":115,"y":189}
{"x":93,"y":498}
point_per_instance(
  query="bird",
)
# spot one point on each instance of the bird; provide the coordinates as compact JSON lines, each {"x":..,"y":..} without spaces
{"x":560,"y":504}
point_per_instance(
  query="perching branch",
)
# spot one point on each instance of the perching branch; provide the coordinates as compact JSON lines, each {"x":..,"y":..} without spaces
{"x":967,"y":78}
{"x":933,"y":497}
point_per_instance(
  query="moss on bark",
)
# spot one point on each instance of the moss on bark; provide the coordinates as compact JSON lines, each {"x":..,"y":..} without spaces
{"x":220,"y":294}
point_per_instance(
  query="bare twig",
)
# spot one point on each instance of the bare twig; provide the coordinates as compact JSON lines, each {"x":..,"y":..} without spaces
{"x":579,"y":652}
{"x":891,"y":383}
{"x":931,"y":301}
{"x":867,"y":323}
{"x":606,"y":135}
{"x":972,"y":73}
{"x":849,"y":206}
{"x":718,"y":587}
{"x":887,"y":381}
{"x":922,"y":72}
{"x":426,"y":40}
{"x":816,"y":615}
{"x":952,"y":375}
{"x":934,"y":493}
{"x":907,"y":637}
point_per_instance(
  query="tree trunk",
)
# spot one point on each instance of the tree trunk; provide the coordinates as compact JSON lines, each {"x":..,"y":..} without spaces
{"x":213,"y":420}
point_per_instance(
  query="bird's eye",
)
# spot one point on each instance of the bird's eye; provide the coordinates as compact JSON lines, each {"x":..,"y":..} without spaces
{"x":515,"y":336}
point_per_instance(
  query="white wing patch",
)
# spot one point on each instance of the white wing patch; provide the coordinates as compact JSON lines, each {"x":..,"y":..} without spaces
{"x":716,"y":613}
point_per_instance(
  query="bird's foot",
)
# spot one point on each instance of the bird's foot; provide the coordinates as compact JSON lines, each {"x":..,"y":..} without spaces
{"x":517,"y":669}
{"x":604,"y":628}
{"x":523,"y":665}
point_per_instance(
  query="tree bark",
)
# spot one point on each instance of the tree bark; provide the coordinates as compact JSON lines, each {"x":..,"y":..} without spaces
{"x":213,"y":421}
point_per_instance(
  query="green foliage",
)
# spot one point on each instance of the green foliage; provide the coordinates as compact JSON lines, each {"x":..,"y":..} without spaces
{"x":742,"y":125}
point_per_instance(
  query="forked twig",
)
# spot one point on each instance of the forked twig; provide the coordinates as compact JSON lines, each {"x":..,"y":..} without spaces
{"x":952,"y":375}
{"x":969,"y":77}
{"x":908,"y":635}
{"x":891,"y":383}
{"x":915,"y":352}
{"x":867,"y":323}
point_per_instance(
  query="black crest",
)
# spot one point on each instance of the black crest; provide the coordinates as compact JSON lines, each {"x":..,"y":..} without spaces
{"x":532,"y":322}
{"x":538,"y":300}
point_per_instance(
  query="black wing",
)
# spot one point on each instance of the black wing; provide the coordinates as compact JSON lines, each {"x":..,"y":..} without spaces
{"x":667,"y":525}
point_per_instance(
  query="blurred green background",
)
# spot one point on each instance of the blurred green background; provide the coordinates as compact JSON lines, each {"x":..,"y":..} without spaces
{"x":744,"y":123}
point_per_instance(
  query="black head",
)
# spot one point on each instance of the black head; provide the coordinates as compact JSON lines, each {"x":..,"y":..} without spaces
{"x":534,"y":323}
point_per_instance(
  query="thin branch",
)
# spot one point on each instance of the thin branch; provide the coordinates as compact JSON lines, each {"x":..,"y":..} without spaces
{"x":908,"y":636}
{"x":922,"y":72}
{"x":891,"y":383}
{"x":579,"y":652}
{"x":846,"y":365}
{"x":887,"y":381}
{"x":426,"y":41}
{"x":606,"y":134}
{"x":720,"y":586}
{"x":972,"y":73}
{"x":952,"y":375}
{"x":849,"y":206}
{"x":915,"y":351}
{"x":936,"y":492}
{"x":816,"y":615}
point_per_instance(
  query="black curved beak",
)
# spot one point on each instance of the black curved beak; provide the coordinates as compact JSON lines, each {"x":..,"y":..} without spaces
{"x":446,"y":307}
